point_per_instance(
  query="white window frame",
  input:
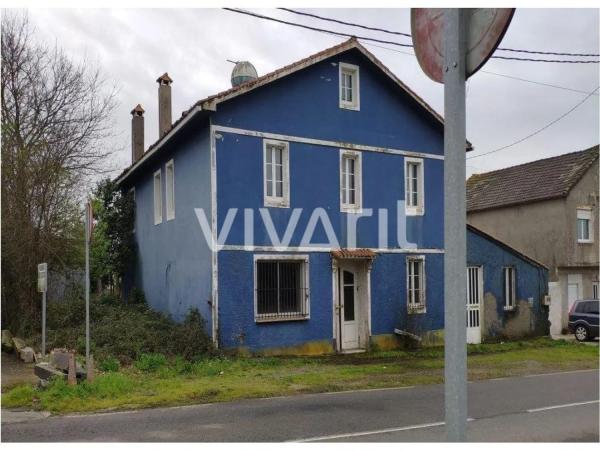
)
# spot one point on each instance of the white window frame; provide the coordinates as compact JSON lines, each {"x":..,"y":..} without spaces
{"x":274,"y":201}
{"x":157,"y":188}
{"x":306,"y":283}
{"x":416,"y":308}
{"x":356,"y":207}
{"x":170,"y":190}
{"x":419,"y":209}
{"x":511,"y":290}
{"x":585,"y":214}
{"x":595,"y":290}
{"x":354,"y":71}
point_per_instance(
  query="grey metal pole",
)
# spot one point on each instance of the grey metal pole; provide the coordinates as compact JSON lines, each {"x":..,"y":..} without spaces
{"x":87,"y":286}
{"x":44,"y":322}
{"x":455,"y":234}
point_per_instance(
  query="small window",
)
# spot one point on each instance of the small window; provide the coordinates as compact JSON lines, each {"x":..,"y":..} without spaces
{"x":349,"y":87}
{"x":276,"y":173}
{"x":414,"y":187}
{"x":509,"y":288}
{"x":170,"y":189}
{"x":157,"y":197}
{"x":281,"y":287}
{"x":595,"y":290}
{"x":584,"y":219}
{"x":350,"y":181}
{"x":593,"y":308}
{"x":415,"y":282}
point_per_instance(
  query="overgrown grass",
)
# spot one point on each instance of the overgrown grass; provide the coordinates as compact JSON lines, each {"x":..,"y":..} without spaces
{"x":219,"y":379}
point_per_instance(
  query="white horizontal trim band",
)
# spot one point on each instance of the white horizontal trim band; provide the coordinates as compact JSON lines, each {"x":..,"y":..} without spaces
{"x":309,"y":249}
{"x":337,"y":144}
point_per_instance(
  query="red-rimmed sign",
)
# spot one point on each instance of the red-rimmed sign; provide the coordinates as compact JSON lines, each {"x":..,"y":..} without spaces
{"x":484,"y":31}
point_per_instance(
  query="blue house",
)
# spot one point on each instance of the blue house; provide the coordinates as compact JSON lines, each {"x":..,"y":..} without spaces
{"x":507,"y":291}
{"x":300,"y":211}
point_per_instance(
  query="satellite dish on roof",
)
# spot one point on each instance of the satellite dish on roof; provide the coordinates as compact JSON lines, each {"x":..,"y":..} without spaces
{"x":485,"y":30}
{"x":242,"y":72}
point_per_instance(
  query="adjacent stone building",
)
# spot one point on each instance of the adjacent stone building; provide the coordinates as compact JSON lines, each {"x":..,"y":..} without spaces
{"x":547,"y":209}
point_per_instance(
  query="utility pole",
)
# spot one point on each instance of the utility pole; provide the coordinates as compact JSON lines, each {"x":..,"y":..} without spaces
{"x":455,"y":233}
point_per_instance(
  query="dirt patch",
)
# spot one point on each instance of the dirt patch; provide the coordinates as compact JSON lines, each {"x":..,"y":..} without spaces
{"x":15,"y":371}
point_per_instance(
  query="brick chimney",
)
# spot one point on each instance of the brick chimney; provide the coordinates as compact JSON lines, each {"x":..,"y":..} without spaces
{"x":137,"y":133}
{"x":164,"y":103}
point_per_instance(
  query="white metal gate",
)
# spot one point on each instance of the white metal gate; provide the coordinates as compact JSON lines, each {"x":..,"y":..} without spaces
{"x":474,"y":295}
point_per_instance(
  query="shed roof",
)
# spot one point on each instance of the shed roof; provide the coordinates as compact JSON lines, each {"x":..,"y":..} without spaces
{"x":544,"y":179}
{"x":210,"y":103}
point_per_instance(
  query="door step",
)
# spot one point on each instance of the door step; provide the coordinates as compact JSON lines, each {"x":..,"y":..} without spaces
{"x":354,"y":350}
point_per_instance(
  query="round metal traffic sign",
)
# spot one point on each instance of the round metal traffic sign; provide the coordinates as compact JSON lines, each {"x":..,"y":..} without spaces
{"x":485,"y":29}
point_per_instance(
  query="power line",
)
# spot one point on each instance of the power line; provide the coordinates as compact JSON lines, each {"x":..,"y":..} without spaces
{"x":383,"y":30}
{"x":541,"y":129}
{"x":564,"y":88}
{"x":337,"y":33}
{"x":285,"y":22}
{"x":398,"y":33}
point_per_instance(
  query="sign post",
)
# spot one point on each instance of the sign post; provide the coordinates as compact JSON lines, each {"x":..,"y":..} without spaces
{"x":450,"y":45}
{"x":455,"y":234}
{"x":88,"y":237}
{"x":43,"y":287}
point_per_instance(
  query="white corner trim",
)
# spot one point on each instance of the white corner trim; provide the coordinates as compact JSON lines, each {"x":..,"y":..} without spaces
{"x":317,"y":249}
{"x":325,"y":143}
{"x":214,"y":252}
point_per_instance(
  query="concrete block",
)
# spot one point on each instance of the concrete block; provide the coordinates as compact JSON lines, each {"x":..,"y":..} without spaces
{"x":27,"y":354}
{"x":18,"y":344}
{"x":59,"y":359}
{"x":45,"y":371}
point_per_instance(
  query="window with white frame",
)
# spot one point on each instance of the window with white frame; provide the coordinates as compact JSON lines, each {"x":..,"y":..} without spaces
{"x":349,"y":87}
{"x":170,"y":189}
{"x":157,"y":197}
{"x":509,"y":275}
{"x":350,"y":181}
{"x":595,"y":290}
{"x":281,"y":288}
{"x":414,"y":186}
{"x":415,"y":283}
{"x":584,"y":229}
{"x":276,"y":173}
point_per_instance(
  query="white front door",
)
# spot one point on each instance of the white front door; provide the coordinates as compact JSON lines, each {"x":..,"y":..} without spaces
{"x":349,"y":309}
{"x":474,"y":295}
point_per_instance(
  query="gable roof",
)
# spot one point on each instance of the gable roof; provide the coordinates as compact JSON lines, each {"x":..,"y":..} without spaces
{"x":544,"y":179}
{"x":210,"y":103}
{"x":505,"y":246}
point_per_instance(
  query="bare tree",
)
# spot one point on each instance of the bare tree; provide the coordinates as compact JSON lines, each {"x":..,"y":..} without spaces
{"x":55,"y":120}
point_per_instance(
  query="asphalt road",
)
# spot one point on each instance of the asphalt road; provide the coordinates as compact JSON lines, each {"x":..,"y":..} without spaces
{"x":551,"y":407}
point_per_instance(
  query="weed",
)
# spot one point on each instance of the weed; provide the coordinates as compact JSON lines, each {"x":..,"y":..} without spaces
{"x":150,"y":362}
{"x":109,"y":364}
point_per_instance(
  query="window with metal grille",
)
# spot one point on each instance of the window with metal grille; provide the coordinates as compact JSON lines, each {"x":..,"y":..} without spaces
{"x":276,"y":173}
{"x":349,"y":87}
{"x":415,"y":281}
{"x":509,"y":287}
{"x":281,"y":289}
{"x":595,"y":290}
{"x":350,"y":181}
{"x":413,"y":177}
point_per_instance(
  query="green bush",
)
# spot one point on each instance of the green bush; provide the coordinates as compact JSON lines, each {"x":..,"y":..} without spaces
{"x":109,"y":364}
{"x":125,"y":331}
{"x":149,"y":362}
{"x":137,"y":297}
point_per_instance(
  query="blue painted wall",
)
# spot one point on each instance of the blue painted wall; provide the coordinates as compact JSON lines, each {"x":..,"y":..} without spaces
{"x":531,"y":281}
{"x":174,"y":262}
{"x":306,"y":103}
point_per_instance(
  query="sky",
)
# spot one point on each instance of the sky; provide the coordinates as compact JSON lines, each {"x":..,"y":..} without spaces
{"x":134,"y":46}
